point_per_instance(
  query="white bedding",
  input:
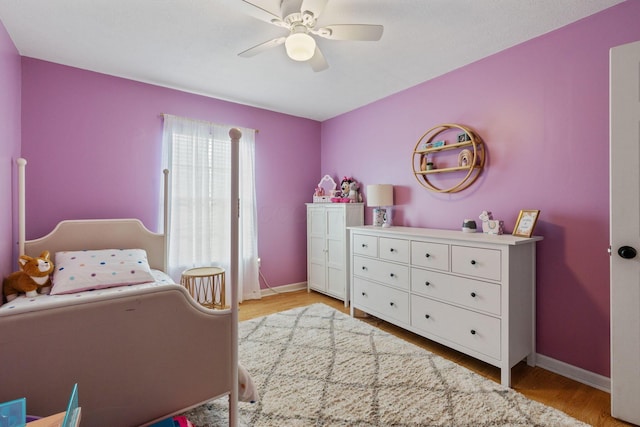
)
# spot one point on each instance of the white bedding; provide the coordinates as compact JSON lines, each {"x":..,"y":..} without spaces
{"x":23,"y":304}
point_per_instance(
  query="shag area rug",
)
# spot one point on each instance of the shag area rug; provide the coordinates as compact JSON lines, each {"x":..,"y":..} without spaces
{"x":315,"y":366}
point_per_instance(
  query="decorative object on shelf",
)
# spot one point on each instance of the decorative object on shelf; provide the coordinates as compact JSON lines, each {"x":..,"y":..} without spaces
{"x":348,"y":193}
{"x":325,"y":190}
{"x":490,"y":225}
{"x":435,"y":144}
{"x":469,"y":226}
{"x":526,"y":222}
{"x":380,"y":196}
{"x":463,"y":137}
{"x":464,"y":158}
{"x":350,"y":190}
{"x":344,"y":186}
{"x":354,"y":193}
{"x":432,"y":144}
{"x":426,"y":165}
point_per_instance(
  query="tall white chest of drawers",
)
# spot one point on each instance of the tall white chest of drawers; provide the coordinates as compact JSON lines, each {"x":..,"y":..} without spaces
{"x":472,"y":292}
{"x":328,"y":246}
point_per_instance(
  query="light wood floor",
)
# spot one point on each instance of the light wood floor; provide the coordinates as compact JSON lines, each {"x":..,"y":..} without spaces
{"x":585,"y":403}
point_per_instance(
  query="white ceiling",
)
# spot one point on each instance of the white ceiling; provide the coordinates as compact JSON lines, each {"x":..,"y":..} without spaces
{"x":192,"y":45}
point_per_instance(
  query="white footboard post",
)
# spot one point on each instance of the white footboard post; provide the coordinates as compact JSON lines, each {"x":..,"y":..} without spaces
{"x":21,"y":204}
{"x":235,"y":135}
{"x":165,"y":218}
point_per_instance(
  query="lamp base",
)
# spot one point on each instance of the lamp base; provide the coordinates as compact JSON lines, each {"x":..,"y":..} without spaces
{"x":381,"y":218}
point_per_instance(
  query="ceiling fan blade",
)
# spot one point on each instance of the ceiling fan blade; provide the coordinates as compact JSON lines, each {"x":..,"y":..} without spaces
{"x":314,"y":6}
{"x":262,"y":47}
{"x":287,"y":7}
{"x":260,"y":13}
{"x":362,"y":32}
{"x":317,"y":61}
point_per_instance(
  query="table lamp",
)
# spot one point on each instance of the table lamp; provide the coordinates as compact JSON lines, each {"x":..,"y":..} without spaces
{"x":380,"y":196}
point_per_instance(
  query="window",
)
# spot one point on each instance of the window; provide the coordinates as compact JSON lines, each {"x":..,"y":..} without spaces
{"x":198,"y":156}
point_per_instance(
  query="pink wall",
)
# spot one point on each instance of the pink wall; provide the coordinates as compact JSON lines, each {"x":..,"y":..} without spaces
{"x":93,"y":145}
{"x":9,"y":148}
{"x":542,"y":109}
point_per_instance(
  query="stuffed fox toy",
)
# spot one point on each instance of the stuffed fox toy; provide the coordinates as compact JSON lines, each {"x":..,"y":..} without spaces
{"x":33,"y":277}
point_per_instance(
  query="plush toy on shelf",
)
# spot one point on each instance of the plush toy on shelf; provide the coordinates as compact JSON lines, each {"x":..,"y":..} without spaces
{"x":33,"y":277}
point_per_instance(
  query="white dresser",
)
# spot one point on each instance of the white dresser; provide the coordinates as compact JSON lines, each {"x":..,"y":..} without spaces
{"x":473,"y":292}
{"x":328,"y":246}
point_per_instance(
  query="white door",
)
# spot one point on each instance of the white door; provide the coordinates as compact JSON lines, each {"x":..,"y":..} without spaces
{"x":316,"y":248}
{"x":625,"y":231}
{"x":336,"y":258}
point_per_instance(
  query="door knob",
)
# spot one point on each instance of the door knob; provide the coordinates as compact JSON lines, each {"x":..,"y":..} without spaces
{"x":627,"y":252}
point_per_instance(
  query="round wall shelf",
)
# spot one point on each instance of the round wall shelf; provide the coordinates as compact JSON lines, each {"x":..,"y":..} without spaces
{"x":470,"y":161}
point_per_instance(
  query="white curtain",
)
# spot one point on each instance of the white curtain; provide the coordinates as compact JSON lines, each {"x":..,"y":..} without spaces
{"x":198,"y":156}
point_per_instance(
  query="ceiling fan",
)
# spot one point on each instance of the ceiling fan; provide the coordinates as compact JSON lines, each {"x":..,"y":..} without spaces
{"x":299,"y":17}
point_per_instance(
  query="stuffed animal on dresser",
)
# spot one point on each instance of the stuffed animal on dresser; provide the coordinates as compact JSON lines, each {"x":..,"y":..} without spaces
{"x":33,"y":277}
{"x":490,"y":225}
{"x":354,"y":194}
{"x":344,"y":186}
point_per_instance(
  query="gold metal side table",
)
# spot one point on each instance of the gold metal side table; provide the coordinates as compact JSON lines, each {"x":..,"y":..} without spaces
{"x":206,"y":285}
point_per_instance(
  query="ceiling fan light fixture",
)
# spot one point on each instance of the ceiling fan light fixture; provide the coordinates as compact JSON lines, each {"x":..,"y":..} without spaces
{"x":300,"y":46}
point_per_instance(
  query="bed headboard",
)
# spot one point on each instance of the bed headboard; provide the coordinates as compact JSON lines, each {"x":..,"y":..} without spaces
{"x":92,"y":234}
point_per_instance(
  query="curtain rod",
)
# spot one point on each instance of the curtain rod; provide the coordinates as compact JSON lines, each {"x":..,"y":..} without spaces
{"x":205,"y":121}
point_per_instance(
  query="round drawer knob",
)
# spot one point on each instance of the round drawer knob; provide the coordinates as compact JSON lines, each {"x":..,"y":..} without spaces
{"x":427,"y":283}
{"x":427,"y":255}
{"x":473,"y":332}
{"x":364,"y":268}
{"x":364,"y":245}
{"x":627,"y":252}
{"x":473,"y":294}
{"x":364,"y":294}
{"x":473,"y":262}
{"x":392,"y":304}
{"x":392,"y":275}
{"x":426,"y":316}
{"x":392,"y":250}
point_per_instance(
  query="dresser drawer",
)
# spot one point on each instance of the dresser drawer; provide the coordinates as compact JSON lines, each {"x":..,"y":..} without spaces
{"x":430,"y":255}
{"x":470,"y":293}
{"x":394,"y":250}
{"x":382,"y":271}
{"x":472,"y":330}
{"x":477,"y":262}
{"x":380,"y":299}
{"x":365,"y":245}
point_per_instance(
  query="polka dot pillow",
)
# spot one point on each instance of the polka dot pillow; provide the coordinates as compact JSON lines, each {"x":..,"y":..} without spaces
{"x":77,"y":271}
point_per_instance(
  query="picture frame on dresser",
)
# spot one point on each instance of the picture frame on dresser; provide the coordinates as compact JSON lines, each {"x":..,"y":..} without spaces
{"x":526,"y":222}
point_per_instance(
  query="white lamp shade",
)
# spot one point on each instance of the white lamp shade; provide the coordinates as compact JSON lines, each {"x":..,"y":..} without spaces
{"x":300,"y":46}
{"x":380,"y":195}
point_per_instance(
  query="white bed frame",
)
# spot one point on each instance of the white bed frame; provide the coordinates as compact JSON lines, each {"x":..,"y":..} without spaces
{"x":138,"y":357}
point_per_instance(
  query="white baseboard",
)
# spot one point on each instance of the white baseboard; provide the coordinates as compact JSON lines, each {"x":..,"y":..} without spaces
{"x":283,"y":289}
{"x":578,"y":374}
